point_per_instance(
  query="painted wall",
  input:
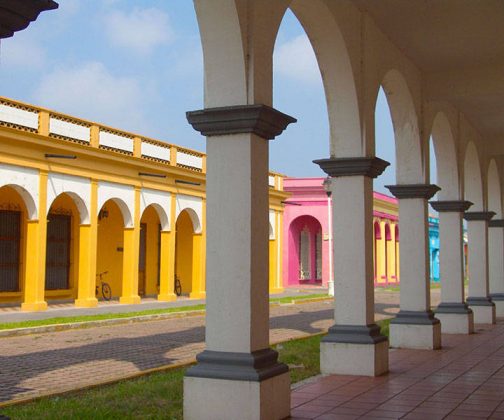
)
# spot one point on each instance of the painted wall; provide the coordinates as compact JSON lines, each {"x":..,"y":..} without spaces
{"x":309,"y":201}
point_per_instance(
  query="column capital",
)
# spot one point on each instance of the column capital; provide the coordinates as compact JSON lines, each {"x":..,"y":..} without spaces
{"x":261,"y":120}
{"x":459,"y":206}
{"x":371,"y":167}
{"x":413,"y":190}
{"x":483,"y":216}
{"x":499,"y":223}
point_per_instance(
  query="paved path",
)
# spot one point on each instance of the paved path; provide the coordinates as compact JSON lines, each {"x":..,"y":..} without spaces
{"x":464,"y":380}
{"x":47,"y":363}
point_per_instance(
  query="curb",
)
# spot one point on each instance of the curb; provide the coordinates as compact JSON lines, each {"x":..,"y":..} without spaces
{"x":16,"y":332}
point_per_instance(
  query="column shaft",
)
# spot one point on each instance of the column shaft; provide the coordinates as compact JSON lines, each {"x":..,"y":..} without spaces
{"x":479,"y":299}
{"x":35,"y":258}
{"x":88,"y":240}
{"x":167,"y":267}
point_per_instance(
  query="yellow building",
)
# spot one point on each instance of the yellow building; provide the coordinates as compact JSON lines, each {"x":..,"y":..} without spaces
{"x":82,"y":203}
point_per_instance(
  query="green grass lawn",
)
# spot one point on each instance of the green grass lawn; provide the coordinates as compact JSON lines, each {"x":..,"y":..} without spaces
{"x":157,"y":395}
{"x":125,"y":315}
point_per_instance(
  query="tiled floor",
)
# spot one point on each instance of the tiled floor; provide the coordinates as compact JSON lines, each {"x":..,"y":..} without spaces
{"x":463,"y":380}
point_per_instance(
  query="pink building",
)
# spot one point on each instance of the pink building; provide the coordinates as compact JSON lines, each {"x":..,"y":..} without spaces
{"x":307,"y":241}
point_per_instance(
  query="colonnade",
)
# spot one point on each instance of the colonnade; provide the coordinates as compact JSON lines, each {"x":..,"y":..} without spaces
{"x":238,"y":121}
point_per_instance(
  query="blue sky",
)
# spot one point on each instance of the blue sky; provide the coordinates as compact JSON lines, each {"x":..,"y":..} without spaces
{"x":138,"y":66}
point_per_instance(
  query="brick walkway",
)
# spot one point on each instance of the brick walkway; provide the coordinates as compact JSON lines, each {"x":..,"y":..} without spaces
{"x":463,"y":380}
{"x":48,"y":363}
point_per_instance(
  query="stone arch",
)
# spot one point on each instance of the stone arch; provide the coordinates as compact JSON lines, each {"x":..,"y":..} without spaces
{"x":122,"y":195}
{"x":446,"y":158}
{"x":160,"y":201}
{"x":337,"y":75}
{"x":473,"y":184}
{"x":237,"y":40}
{"x":25,"y":181}
{"x":79,"y":189}
{"x":79,"y":203}
{"x":409,"y":162}
{"x":494,"y":190}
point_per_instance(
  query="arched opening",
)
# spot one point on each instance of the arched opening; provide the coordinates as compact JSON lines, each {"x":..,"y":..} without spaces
{"x":62,"y":249}
{"x":13,"y":225}
{"x":149,"y":253}
{"x":305,"y":240}
{"x":184,"y":251}
{"x":110,"y":248}
{"x":388,"y":250}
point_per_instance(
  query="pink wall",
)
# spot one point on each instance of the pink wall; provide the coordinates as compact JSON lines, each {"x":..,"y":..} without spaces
{"x":310,"y":199}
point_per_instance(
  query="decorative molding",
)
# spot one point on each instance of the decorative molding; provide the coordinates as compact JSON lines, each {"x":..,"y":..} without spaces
{"x":453,"y":308}
{"x":402,"y":191}
{"x":371,"y":167}
{"x":482,"y":216}
{"x":480,"y":301}
{"x":253,"y":367}
{"x":497,"y":296}
{"x":354,"y":334}
{"x":261,"y":120}
{"x":451,"y":206}
{"x":415,"y":318}
{"x":498,"y":223}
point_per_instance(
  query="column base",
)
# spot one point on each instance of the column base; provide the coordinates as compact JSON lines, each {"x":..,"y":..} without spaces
{"x":197,"y":295}
{"x":354,"y":350}
{"x":130,"y":300}
{"x":456,"y":318}
{"x":170,"y":297}
{"x":483,"y":308}
{"x":415,"y":330}
{"x":498,"y":300}
{"x":86,"y":303}
{"x":33,"y":306}
{"x":237,"y":386}
{"x":276,"y":290}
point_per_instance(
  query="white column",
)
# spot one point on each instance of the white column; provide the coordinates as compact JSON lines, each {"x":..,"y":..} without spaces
{"x":477,"y":235}
{"x":354,"y":345}
{"x":415,"y":325}
{"x":455,"y":316}
{"x":330,"y":283}
{"x":237,"y":373}
{"x":496,"y":264}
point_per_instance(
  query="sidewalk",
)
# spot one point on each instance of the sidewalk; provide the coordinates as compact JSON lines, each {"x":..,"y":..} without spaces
{"x":67,"y":309}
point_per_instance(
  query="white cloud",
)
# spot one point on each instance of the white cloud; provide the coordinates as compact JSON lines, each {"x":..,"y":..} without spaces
{"x":22,"y":52}
{"x":90,"y":91}
{"x":141,"y":30}
{"x":295,"y":59}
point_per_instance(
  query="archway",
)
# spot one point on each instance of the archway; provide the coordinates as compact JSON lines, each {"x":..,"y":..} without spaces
{"x":305,"y":256}
{"x":149,"y":253}
{"x":110,"y":248}
{"x":62,"y":248}
{"x":13,"y":257}
{"x":185,"y":250}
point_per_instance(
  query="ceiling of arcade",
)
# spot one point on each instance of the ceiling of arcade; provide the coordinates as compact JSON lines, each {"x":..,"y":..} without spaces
{"x":459,"y":46}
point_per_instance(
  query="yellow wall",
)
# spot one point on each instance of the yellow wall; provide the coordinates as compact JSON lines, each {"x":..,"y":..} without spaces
{"x":10,"y":199}
{"x":151,"y":220}
{"x":184,"y":251}
{"x":110,"y":242}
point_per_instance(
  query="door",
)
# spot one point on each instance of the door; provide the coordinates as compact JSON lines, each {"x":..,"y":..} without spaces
{"x":10,"y":234}
{"x":58,"y":251}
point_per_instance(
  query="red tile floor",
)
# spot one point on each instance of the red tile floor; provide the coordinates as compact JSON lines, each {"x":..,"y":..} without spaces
{"x":465,"y":379}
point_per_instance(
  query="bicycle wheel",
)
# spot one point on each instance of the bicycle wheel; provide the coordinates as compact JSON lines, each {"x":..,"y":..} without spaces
{"x":106,"y":291}
{"x":178,"y":287}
